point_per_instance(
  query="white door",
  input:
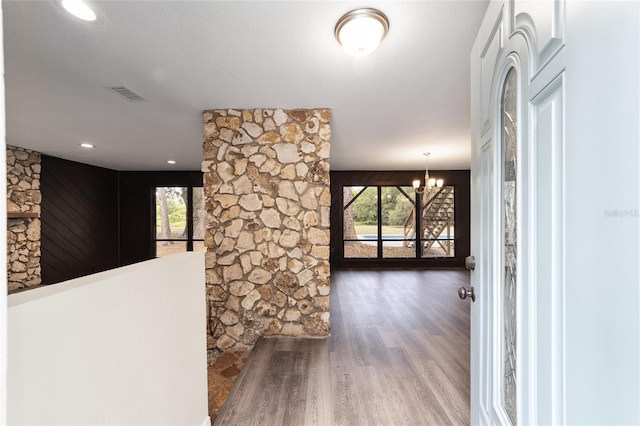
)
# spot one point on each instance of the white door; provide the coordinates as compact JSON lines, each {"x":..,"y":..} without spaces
{"x":517,"y":95}
{"x":556,"y":227}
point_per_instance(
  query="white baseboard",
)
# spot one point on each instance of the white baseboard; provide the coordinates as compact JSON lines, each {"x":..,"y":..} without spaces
{"x":206,"y":421}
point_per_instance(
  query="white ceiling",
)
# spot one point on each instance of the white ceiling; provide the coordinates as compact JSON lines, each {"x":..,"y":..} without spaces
{"x":409,"y":96}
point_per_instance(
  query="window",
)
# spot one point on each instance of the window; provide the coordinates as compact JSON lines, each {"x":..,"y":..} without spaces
{"x":180,"y":218}
{"x":380,"y":222}
{"x":360,"y":222}
{"x":438,"y":223}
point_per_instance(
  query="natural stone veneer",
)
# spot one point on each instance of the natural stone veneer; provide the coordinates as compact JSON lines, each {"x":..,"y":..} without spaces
{"x":23,"y":234}
{"x":266,"y":183}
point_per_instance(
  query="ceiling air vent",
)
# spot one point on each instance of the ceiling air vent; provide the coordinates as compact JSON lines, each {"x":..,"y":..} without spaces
{"x":127,"y":93}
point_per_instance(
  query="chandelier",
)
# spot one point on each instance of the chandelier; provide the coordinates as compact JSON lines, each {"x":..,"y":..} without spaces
{"x":429,"y":182}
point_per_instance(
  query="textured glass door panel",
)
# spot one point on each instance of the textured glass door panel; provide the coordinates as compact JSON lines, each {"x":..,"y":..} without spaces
{"x":509,"y":257}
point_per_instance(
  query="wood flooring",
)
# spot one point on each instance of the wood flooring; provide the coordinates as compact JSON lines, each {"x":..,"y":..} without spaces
{"x":398,"y":355}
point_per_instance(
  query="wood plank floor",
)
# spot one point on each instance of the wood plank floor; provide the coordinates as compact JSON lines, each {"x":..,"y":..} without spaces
{"x":398,"y":355}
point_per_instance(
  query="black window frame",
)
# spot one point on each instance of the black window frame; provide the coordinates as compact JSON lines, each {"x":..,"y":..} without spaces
{"x":418,"y":239}
{"x":189,"y":240}
{"x":459,"y":179}
{"x":380,"y":240}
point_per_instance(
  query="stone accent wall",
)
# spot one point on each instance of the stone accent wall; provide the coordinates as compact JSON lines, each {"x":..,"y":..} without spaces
{"x":23,"y":234}
{"x":266,"y":183}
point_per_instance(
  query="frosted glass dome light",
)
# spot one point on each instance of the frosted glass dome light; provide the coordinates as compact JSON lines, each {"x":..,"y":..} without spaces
{"x":79,"y":9}
{"x":361,"y":31}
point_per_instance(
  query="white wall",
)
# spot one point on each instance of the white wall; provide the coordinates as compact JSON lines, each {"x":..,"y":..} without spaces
{"x":3,"y":242}
{"x":126,"y":346}
{"x":602,"y":187}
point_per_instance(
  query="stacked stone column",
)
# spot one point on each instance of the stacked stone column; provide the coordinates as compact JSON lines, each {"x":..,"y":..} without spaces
{"x":23,"y":234}
{"x":266,"y":183}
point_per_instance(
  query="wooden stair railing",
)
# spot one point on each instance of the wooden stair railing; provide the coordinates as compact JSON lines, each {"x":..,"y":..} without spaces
{"x":437,"y":216}
{"x":410,"y":229}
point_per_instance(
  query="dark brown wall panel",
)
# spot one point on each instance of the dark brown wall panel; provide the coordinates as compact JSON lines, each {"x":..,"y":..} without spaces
{"x":79,"y":219}
{"x":458,"y":178}
{"x":137,"y":209}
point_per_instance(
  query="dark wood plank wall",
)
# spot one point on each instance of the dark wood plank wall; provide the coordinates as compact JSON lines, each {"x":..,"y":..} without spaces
{"x":137,"y":209}
{"x":458,"y":178}
{"x":94,"y":219}
{"x":79,"y":219}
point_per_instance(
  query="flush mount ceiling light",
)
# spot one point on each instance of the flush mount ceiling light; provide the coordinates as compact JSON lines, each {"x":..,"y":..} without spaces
{"x":171,"y":161}
{"x":361,"y":31}
{"x":80,"y":10}
{"x":87,"y":145}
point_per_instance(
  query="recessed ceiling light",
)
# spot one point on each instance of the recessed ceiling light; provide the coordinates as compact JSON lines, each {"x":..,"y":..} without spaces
{"x":87,"y":145}
{"x":171,"y":161}
{"x":80,"y":10}
{"x":361,"y":30}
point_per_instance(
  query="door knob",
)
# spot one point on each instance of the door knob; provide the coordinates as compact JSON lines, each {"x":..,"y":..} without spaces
{"x":463,"y":293}
{"x":470,"y":263}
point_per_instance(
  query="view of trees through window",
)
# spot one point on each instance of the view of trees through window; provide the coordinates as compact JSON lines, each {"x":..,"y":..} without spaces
{"x":381,"y":222}
{"x":180,"y":217}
